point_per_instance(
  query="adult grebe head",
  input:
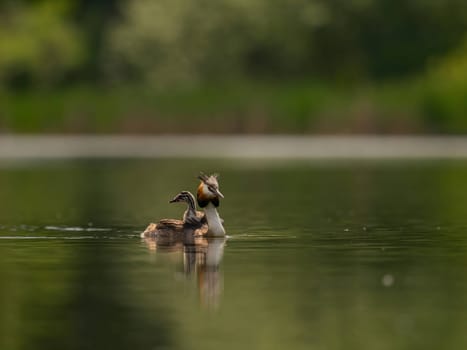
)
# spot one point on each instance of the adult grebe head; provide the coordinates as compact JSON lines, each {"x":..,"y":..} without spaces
{"x":208,"y":190}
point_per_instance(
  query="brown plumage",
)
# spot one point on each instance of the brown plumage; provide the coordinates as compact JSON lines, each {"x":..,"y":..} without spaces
{"x":177,"y":229}
{"x":194,"y":223}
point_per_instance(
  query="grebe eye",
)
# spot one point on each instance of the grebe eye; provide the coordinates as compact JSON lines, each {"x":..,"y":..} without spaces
{"x":212,"y":189}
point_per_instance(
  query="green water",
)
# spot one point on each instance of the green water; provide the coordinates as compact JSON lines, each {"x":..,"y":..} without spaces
{"x":320,"y":255}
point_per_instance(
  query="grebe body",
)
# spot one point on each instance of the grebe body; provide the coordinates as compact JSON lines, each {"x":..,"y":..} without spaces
{"x":193,"y":221}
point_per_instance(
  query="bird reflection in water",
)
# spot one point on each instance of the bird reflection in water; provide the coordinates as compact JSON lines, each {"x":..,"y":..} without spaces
{"x":204,"y":262}
{"x":202,"y":257}
{"x":199,"y":235}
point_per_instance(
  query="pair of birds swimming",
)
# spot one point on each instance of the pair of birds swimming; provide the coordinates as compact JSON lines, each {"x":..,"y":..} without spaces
{"x":194,"y":223}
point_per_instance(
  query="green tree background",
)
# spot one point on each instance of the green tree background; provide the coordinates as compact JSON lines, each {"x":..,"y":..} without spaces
{"x":246,"y":65}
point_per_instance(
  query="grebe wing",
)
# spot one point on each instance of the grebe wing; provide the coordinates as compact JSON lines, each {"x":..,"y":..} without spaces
{"x":162,"y":226}
{"x":197,"y":220}
{"x":169,"y":223}
{"x":201,"y":231}
{"x":202,"y":217}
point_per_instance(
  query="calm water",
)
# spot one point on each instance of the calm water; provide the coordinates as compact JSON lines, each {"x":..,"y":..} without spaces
{"x":320,"y":255}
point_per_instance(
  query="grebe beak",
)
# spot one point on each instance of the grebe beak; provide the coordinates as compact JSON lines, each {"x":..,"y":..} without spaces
{"x":175,"y":200}
{"x":219,"y":193}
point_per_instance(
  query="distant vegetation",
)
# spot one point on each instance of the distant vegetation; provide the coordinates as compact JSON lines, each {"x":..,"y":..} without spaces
{"x":295,"y":66}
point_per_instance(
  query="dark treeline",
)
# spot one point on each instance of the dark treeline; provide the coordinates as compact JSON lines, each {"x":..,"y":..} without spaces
{"x":56,"y":42}
{"x":268,"y":66}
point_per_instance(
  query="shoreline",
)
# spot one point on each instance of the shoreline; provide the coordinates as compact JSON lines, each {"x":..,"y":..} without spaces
{"x":232,"y":146}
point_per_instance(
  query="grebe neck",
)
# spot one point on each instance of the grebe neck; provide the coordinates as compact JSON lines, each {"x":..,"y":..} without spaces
{"x":190,"y":212}
{"x":215,"y":227}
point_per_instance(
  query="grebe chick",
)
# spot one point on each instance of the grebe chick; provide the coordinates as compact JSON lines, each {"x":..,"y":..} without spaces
{"x":192,"y":219}
{"x":208,"y":195}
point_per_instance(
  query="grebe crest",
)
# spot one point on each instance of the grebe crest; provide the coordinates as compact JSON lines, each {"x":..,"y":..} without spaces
{"x":208,"y":190}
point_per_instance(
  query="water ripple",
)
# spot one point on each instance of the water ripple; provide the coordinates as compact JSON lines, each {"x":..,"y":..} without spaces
{"x":77,"y":228}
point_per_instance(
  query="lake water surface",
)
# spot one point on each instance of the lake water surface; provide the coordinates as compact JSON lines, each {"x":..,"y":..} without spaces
{"x":320,"y":255}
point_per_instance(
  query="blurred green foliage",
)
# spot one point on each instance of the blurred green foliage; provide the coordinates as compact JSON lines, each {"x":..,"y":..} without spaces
{"x":37,"y":44}
{"x":167,"y":41}
{"x":445,"y":102}
{"x":248,"y":65}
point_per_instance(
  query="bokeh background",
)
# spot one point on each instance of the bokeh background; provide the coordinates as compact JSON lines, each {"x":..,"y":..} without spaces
{"x":233,"y":66}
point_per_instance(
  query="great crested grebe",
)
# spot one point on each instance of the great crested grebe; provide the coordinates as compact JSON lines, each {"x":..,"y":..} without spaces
{"x":208,"y":195}
{"x":192,"y":220}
